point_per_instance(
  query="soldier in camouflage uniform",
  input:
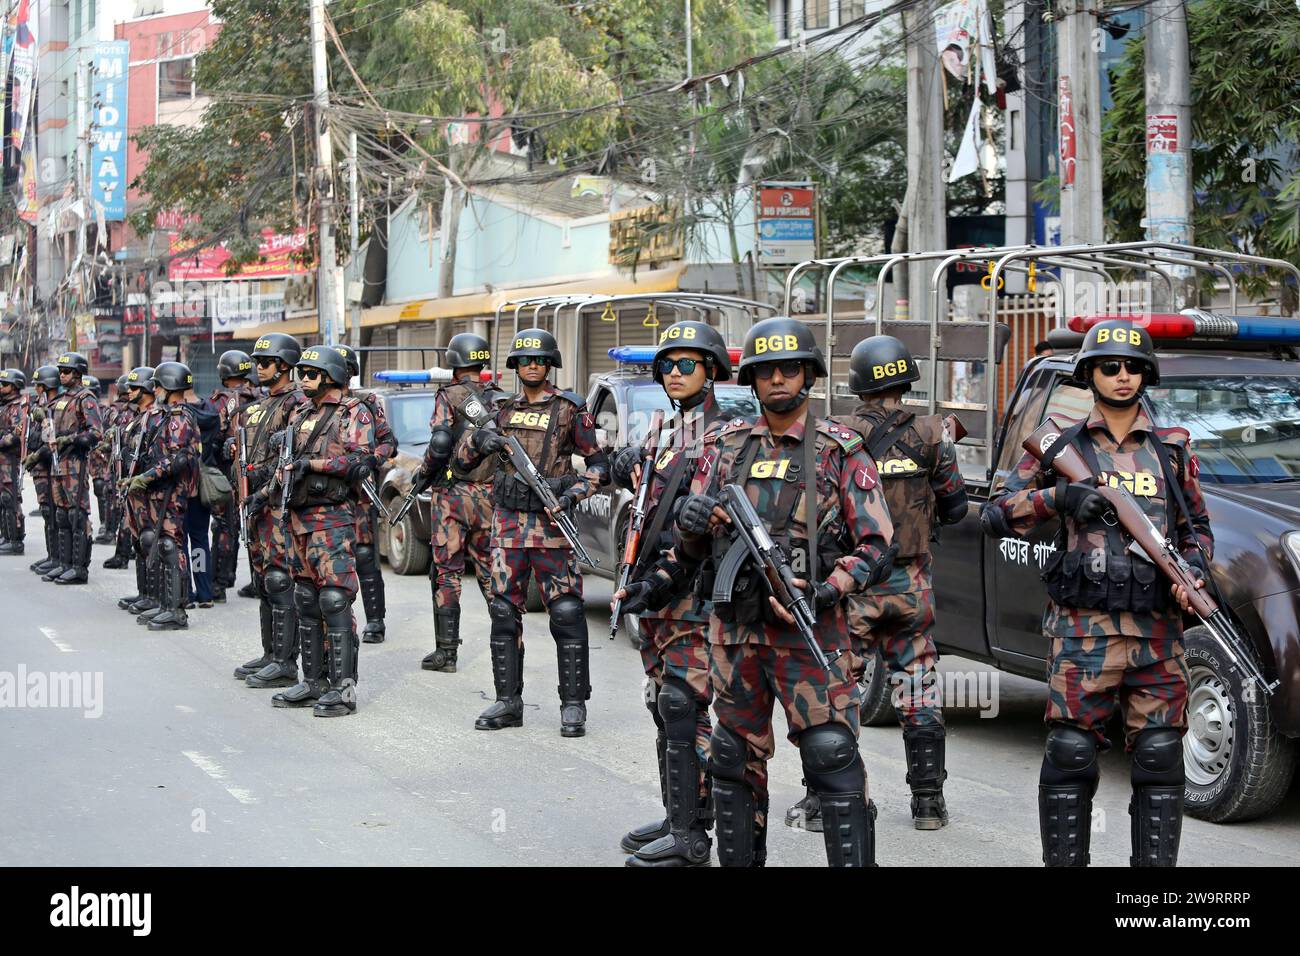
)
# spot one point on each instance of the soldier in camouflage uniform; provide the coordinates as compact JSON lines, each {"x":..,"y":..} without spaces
{"x":674,"y":643}
{"x":13,"y":419}
{"x":367,"y":552}
{"x":167,"y":475}
{"x":100,"y":459}
{"x":917,"y":464}
{"x":39,"y":461}
{"x":118,"y":414}
{"x":551,"y":426}
{"x":235,"y":393}
{"x":757,"y":656}
{"x":74,"y":427}
{"x":137,"y":524}
{"x":333,"y":447}
{"x":460,"y":507}
{"x":1114,"y":624}
{"x":264,"y":422}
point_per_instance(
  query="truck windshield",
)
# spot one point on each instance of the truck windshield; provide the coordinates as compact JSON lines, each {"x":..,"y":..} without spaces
{"x":408,"y":416}
{"x":1244,"y":430}
{"x":734,"y":400}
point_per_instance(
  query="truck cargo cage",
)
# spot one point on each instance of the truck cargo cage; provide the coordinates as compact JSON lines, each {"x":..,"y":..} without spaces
{"x":984,"y":342}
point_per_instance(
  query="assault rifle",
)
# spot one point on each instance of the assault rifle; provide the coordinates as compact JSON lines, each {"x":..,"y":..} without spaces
{"x":285,"y":467}
{"x":1150,"y":545}
{"x":632,"y":542}
{"x":241,"y":481}
{"x":753,"y":541}
{"x":409,"y":500}
{"x":368,"y":489}
{"x":22,"y":437}
{"x":514,"y":453}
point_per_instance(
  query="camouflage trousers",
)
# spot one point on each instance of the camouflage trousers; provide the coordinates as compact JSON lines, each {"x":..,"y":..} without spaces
{"x":225,"y":538}
{"x":680,"y":650}
{"x":901,"y":626}
{"x":267,"y":544}
{"x":748,"y":679}
{"x":325,"y":558}
{"x":1089,"y":676}
{"x":556,"y":570}
{"x":71,"y":488}
{"x":44,"y":488}
{"x":367,"y":518}
{"x":460,"y":519}
{"x":11,"y":490}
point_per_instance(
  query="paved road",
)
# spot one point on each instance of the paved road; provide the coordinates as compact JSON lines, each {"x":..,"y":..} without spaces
{"x":187,"y":766}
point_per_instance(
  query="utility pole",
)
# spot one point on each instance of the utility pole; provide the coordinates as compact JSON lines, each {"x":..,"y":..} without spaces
{"x":327,"y":269}
{"x":1169,"y":133}
{"x":922,"y":222}
{"x":354,"y":237}
{"x":1078,"y":100}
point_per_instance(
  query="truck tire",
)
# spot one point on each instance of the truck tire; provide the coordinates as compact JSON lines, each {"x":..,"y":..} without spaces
{"x":877,"y":708}
{"x":408,"y":553}
{"x":1238,"y":766}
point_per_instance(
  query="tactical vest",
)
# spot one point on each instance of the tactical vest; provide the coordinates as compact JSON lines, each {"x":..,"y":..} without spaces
{"x":905,"y":449}
{"x":67,"y":418}
{"x":314,"y":489}
{"x":1109,"y":577}
{"x":779,"y":508}
{"x":456,"y":395}
{"x":262,"y":420}
{"x":544,"y":434}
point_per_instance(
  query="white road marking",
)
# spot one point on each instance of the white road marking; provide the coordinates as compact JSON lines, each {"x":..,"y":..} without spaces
{"x":184,"y":710}
{"x":219,"y":774}
{"x":53,"y":637}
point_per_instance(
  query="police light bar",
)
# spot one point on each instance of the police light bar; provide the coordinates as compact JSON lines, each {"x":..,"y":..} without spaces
{"x":1196,"y":323}
{"x":428,"y":376}
{"x":645,"y":354}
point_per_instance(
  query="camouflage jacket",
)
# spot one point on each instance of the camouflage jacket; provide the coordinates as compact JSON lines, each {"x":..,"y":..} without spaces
{"x":551,"y":431}
{"x":11,"y":425}
{"x":850,"y":509}
{"x":230,"y":401}
{"x":911,"y":501}
{"x":1029,"y":499}
{"x":261,"y":420}
{"x":385,"y":446}
{"x":337,"y":437}
{"x":35,"y":439}
{"x":78,"y":414}
{"x":174,"y":452}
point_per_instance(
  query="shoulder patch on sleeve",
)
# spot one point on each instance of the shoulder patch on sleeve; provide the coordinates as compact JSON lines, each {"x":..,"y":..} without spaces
{"x":735,"y":425}
{"x":865,"y":475}
{"x":1178,"y":437}
{"x":848,"y":440}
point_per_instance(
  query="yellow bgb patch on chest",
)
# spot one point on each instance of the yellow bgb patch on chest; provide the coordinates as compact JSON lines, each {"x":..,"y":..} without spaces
{"x":530,"y":419}
{"x":308,"y":425}
{"x":61,"y":405}
{"x":897,"y":466}
{"x":1140,"y":483}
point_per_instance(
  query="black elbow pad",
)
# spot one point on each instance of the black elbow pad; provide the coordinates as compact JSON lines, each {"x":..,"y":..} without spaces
{"x":951,"y":508}
{"x":993,"y":522}
{"x":441,"y":443}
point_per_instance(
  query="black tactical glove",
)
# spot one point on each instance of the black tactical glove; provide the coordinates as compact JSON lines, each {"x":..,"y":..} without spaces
{"x":1084,"y":503}
{"x":623,"y":463}
{"x":300,"y":467}
{"x":564,"y":502}
{"x":883,"y":568}
{"x":637,"y":598}
{"x":486,"y":441}
{"x":693,"y":518}
{"x":825,"y":596}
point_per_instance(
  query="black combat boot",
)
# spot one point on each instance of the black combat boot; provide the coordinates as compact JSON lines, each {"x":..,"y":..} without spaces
{"x":569,"y":629}
{"x":50,"y":528}
{"x":121,"y":556}
{"x":141,"y":586}
{"x":635,"y":839}
{"x":807,"y":813}
{"x":311,"y":640}
{"x":13,"y":535}
{"x":924,"y":747}
{"x":344,"y":650}
{"x":78,"y":571}
{"x":151,"y":604}
{"x":446,"y":635}
{"x":1066,"y":785}
{"x":687,"y":843}
{"x":266,"y":622}
{"x":247,"y":591}
{"x":285,"y":603}
{"x":62,"y":545}
{"x":507,"y":668}
{"x":172,"y":616}
{"x":372,"y":593}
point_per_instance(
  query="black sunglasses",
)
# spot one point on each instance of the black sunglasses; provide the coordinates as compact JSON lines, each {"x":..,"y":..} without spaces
{"x":306,"y":373}
{"x":1110,"y":367}
{"x":686,"y":366}
{"x":265,"y":362}
{"x":526,"y":360}
{"x":789,"y":369}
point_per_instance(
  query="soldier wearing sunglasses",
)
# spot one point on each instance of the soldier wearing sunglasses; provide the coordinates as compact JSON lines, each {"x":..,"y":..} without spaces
{"x":1114,"y":625}
{"x":552,"y":426}
{"x":674,"y":622}
{"x":817,"y":493}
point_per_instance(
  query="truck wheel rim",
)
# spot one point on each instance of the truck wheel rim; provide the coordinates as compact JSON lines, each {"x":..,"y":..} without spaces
{"x":868,"y":675}
{"x":397,"y":542}
{"x":1207,"y":747}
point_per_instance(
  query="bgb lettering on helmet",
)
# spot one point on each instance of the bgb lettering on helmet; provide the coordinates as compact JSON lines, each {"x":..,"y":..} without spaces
{"x":483,"y":354}
{"x":776,"y":343}
{"x":261,"y":344}
{"x":1123,"y":336}
{"x":311,"y":355}
{"x":675,"y":332}
{"x":528,"y":343}
{"x":889,"y":369}
{"x":531,"y":419}
{"x":245,"y":366}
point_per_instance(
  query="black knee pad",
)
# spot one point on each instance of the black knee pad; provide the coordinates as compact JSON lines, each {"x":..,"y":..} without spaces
{"x":831,"y":762}
{"x":101,"y":488}
{"x":566,"y":611}
{"x":677,"y":709}
{"x":726,"y":755}
{"x":1069,"y":757}
{"x":336,"y":608}
{"x":1158,"y":758}
{"x":365,"y":557}
{"x":499,"y":609}
{"x":6,"y":500}
{"x":144,"y":544}
{"x":276,"y":581}
{"x":167,"y":547}
{"x":306,"y":599}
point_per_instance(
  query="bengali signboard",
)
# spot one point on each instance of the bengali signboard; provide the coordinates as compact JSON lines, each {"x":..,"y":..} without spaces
{"x":279,"y":255}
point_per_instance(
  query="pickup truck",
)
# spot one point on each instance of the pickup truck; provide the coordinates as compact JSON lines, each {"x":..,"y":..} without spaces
{"x":1242,"y":407}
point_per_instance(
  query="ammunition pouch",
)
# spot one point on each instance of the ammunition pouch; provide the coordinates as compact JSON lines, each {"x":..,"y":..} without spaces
{"x":512,"y":493}
{"x":316,"y":490}
{"x":1106,"y":581}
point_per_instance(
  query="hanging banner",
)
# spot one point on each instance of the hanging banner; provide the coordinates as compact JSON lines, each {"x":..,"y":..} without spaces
{"x":24,"y":71}
{"x":279,"y":255}
{"x":108,"y":139}
{"x":1065,"y":113}
{"x":28,"y":206}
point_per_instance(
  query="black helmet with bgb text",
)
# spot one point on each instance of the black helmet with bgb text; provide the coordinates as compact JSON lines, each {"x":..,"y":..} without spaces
{"x":779,"y":339}
{"x":465,"y":350}
{"x":697,"y":336}
{"x":536,"y":342}
{"x":1116,"y":339}
{"x":234,"y":363}
{"x":880,"y":363}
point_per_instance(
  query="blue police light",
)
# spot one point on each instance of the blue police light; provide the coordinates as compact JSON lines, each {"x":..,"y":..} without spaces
{"x":633,"y":354}
{"x":1199,"y":324}
{"x":412,"y":377}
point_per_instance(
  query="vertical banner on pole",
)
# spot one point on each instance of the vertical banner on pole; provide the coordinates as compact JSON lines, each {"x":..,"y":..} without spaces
{"x":24,"y":71}
{"x":108,"y":128}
